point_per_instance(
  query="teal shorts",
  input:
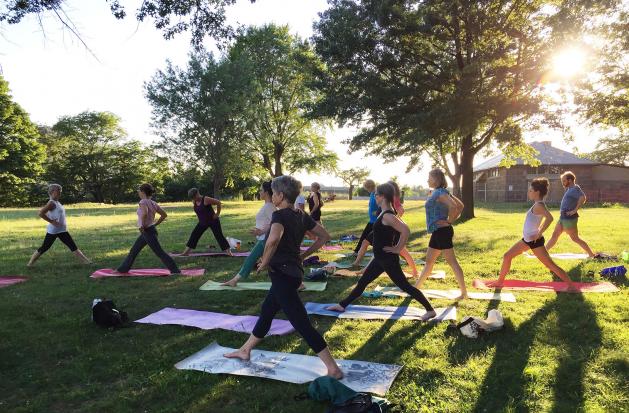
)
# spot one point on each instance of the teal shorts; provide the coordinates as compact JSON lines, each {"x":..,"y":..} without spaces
{"x":568,"y":223}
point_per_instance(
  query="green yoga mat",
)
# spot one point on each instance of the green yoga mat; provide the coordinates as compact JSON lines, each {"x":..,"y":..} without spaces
{"x":264,"y":286}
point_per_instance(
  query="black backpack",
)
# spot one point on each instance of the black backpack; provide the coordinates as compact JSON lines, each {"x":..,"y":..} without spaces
{"x":105,"y":314}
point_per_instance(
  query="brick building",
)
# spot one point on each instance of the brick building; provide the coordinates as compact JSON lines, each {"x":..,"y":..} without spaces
{"x":601,"y":183}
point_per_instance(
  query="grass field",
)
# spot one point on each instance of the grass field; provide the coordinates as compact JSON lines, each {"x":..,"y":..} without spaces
{"x":557,"y":352}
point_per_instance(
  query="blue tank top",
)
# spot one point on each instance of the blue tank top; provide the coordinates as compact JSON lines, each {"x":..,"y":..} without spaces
{"x":435,"y":210}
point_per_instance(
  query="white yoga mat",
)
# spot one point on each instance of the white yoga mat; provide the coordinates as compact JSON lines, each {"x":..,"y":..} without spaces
{"x":448,"y":294}
{"x":562,"y":256}
{"x":262,"y":285}
{"x":361,"y":376}
{"x":376,"y":312}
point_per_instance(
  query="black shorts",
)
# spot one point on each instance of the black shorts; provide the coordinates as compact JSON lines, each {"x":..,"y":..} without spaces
{"x":441,"y":239}
{"x":534,"y":244}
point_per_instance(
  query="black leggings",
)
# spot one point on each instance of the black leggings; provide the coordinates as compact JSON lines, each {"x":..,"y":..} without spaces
{"x":215,"y":226}
{"x":284,"y":295}
{"x":366,"y":231}
{"x":63,"y":236}
{"x":148,"y":237}
{"x":392,"y":267}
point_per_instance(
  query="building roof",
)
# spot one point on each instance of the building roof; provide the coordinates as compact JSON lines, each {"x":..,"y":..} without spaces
{"x":548,"y":155}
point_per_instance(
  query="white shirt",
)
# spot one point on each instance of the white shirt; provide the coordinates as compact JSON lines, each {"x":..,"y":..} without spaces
{"x":263,"y":219}
{"x":300,"y":200}
{"x":531,"y":225}
{"x":58,"y":214}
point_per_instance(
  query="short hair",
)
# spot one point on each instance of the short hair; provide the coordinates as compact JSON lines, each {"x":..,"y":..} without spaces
{"x":147,"y":189}
{"x":569,"y":175}
{"x":288,"y":186}
{"x":440,"y":177}
{"x":316,"y":186}
{"x":266,"y":187}
{"x":192,"y":192}
{"x":370,"y":185}
{"x":53,"y":187}
{"x":540,"y":185}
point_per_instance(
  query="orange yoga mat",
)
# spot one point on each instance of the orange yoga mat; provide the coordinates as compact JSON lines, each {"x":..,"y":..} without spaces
{"x":556,"y":286}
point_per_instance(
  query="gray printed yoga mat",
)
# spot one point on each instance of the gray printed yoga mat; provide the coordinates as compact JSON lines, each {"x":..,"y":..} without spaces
{"x":262,"y":285}
{"x":447,"y":294}
{"x":376,"y":312}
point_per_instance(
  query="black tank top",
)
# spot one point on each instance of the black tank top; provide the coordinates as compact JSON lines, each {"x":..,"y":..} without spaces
{"x":311,"y":204}
{"x":384,"y":236}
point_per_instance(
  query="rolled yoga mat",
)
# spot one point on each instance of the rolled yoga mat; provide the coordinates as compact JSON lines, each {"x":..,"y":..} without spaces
{"x":446,"y":294}
{"x":262,"y":285}
{"x":146,"y":272}
{"x":361,"y":376}
{"x":375,"y":312}
{"x":208,"y":320}
{"x":7,"y":280}
{"x":554,"y":286}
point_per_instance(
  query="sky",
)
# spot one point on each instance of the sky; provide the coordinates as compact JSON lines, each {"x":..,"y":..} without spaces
{"x":51,"y":74}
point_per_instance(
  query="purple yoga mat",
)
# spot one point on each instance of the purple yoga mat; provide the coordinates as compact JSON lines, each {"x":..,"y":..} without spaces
{"x":210,"y":254}
{"x":146,"y":272}
{"x":325,"y":248}
{"x":208,"y":320}
{"x":5,"y":281}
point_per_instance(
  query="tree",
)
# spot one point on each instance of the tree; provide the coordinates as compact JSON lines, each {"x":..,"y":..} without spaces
{"x":200,"y":112}
{"x":281,"y":67}
{"x":449,"y":77}
{"x":21,"y":155}
{"x":201,"y":17}
{"x":611,"y":150}
{"x":351,"y":177}
{"x":89,"y":156}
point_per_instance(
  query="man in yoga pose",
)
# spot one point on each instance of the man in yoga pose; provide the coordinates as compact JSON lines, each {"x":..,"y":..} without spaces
{"x":207,"y":219}
{"x":147,"y":208}
{"x":283,"y":259}
{"x":572,"y":200}
{"x":442,"y":209}
{"x":537,"y":220}
{"x":263,"y":224}
{"x":55,"y":214}
{"x":389,"y":237}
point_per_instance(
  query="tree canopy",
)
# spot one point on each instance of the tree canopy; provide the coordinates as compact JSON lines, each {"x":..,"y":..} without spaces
{"x":351,"y":177}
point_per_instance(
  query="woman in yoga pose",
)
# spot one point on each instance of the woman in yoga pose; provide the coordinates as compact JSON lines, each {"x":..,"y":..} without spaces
{"x":207,"y":219}
{"x":55,"y":214}
{"x":537,"y":220}
{"x":389,"y":237}
{"x":442,"y":209}
{"x":147,"y":208}
{"x":372,"y":212}
{"x":315,"y":202}
{"x":263,"y":224}
{"x":283,"y":259}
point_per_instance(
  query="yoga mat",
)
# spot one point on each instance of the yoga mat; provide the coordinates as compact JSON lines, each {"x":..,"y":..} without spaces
{"x":557,"y":286}
{"x":361,"y":376}
{"x":146,"y":272}
{"x":447,"y":294}
{"x":562,"y":256}
{"x":208,"y":320}
{"x":262,"y":285}
{"x":344,"y":272}
{"x":325,"y":248}
{"x":7,"y":280}
{"x":375,"y":312}
{"x":210,"y":254}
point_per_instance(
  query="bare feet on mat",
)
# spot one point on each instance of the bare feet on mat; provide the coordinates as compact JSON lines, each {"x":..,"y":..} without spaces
{"x":429,"y":315}
{"x":336,"y":373}
{"x":336,"y":307}
{"x":462,"y":297}
{"x":238,"y":354}
{"x":228,"y":251}
{"x":186,"y":252}
{"x":233,"y":282}
{"x":301,"y":287}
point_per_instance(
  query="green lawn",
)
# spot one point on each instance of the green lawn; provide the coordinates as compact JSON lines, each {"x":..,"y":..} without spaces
{"x":557,"y":352}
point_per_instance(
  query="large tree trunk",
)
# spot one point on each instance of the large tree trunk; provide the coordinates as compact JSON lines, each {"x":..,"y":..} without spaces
{"x":216,"y":185}
{"x":351,"y":191}
{"x":467,"y":173}
{"x":278,"y":151}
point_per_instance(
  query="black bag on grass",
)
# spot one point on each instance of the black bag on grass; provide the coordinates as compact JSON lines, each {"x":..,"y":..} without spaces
{"x":105,"y":314}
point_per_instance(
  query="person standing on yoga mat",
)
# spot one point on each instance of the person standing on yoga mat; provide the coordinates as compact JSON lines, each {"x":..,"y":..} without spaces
{"x":372,"y":212}
{"x":315,"y":202}
{"x":263,"y":224}
{"x":389,"y":237}
{"x":442,"y":209}
{"x":147,"y":208}
{"x":538,"y":219}
{"x":55,"y":214}
{"x":572,"y":200}
{"x":207,"y":219}
{"x":283,"y":259}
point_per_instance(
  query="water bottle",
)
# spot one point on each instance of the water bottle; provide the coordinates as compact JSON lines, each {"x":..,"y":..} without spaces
{"x":618,"y":271}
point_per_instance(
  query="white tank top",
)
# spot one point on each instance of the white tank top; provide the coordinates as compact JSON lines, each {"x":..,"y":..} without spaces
{"x":58,"y":214}
{"x":531,"y":225}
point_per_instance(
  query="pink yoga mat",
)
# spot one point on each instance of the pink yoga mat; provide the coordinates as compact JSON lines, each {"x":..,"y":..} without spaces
{"x":208,"y":320}
{"x":145,"y":272}
{"x":326,"y":248}
{"x":557,"y":286}
{"x":210,"y":254}
{"x":5,"y":281}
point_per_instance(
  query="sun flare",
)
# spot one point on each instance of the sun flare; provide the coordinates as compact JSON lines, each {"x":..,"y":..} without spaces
{"x":569,"y":62}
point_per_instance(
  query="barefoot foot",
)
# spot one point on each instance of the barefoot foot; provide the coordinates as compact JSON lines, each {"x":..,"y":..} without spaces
{"x":336,"y":307}
{"x":238,"y":354}
{"x":336,"y":373}
{"x":428,"y":315}
{"x":233,"y":282}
